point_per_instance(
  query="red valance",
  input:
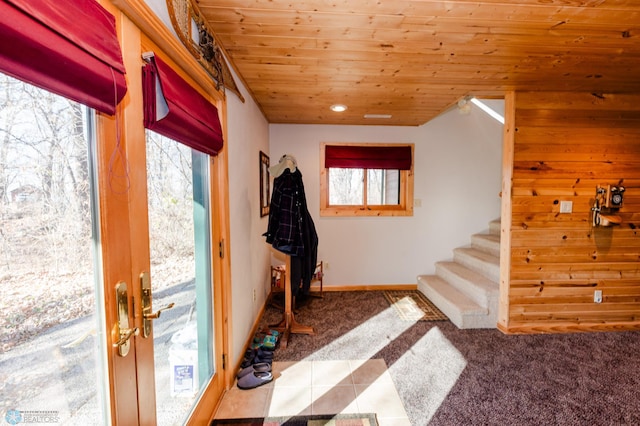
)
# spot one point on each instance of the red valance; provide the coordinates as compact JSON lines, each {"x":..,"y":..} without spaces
{"x":176,"y":110}
{"x":368,"y":157}
{"x":67,"y":47}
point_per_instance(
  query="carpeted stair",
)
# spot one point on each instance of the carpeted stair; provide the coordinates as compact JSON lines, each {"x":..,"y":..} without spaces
{"x":467,"y":288}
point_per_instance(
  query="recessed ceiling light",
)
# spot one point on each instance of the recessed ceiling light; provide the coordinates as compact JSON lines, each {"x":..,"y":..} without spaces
{"x":338,"y":108}
{"x":377,"y":116}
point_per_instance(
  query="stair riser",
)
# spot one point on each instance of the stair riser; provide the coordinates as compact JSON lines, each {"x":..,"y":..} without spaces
{"x":450,"y":310}
{"x":486,"y":269}
{"x":476,"y":294}
{"x":494,"y":227}
{"x":462,"y":320}
{"x":487,"y":246}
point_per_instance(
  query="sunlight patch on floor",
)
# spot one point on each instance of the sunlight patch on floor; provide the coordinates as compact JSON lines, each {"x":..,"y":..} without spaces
{"x":374,"y":339}
{"x":438,"y":363}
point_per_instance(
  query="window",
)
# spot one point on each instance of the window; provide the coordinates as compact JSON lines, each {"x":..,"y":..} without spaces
{"x":366,"y":180}
{"x":53,"y":349}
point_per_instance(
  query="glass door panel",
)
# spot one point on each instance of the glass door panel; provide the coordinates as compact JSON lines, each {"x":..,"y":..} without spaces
{"x":52,"y":344}
{"x":180,"y":248}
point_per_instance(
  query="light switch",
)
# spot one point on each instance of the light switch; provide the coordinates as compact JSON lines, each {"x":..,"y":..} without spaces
{"x":566,"y":206}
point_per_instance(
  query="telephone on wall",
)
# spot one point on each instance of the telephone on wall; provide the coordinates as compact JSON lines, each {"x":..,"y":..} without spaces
{"x":609,"y":199}
{"x":614,"y":197}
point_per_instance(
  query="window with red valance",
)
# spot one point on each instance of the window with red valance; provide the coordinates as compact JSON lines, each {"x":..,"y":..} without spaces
{"x":366,"y":180}
{"x":173,"y":108}
{"x":67,"y":47}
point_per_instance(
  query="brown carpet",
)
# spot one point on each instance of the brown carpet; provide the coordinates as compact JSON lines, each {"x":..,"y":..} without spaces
{"x":412,"y":305}
{"x":315,"y":420}
{"x":447,"y":376}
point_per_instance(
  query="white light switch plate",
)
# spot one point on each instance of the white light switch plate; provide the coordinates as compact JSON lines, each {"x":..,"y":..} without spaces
{"x":566,"y":206}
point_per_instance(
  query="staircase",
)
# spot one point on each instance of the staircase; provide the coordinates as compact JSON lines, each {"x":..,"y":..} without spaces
{"x":467,"y":289}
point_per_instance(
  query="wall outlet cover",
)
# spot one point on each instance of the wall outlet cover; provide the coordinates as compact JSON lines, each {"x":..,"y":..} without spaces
{"x":597,"y":296}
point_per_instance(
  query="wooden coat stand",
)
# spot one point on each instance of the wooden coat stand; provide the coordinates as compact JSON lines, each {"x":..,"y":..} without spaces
{"x":289,"y":324}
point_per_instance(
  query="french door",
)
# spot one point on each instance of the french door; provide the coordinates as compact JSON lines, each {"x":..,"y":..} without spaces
{"x":111,"y":261}
{"x":110,"y":312}
{"x":163,"y":308}
{"x":162,"y":226}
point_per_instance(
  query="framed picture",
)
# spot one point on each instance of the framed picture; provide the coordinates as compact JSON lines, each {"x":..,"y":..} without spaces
{"x":264,"y":184}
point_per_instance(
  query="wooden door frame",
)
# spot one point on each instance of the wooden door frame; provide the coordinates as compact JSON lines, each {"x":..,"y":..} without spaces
{"x":121,"y":156}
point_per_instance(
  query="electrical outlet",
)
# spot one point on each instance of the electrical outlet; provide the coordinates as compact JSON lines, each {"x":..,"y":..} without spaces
{"x":597,"y":296}
{"x":325,"y":265}
{"x":254,"y":295}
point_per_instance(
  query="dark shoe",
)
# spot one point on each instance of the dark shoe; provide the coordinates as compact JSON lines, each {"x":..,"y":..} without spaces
{"x":255,"y":379}
{"x":255,"y":356}
{"x":261,"y":367}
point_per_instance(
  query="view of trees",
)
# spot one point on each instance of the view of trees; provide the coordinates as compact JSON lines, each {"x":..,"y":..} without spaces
{"x":44,"y":210}
{"x":46,"y":259}
{"x":170,"y":192}
{"x":346,"y":187}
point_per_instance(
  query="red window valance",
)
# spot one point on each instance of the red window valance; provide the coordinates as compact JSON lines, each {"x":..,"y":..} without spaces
{"x":368,"y":157}
{"x":178,"y":111}
{"x":67,"y":47}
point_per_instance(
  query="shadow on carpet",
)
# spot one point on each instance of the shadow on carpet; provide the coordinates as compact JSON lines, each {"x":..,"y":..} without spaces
{"x":314,"y":420}
{"x":412,"y":305}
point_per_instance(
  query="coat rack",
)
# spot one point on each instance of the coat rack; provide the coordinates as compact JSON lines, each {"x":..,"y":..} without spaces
{"x":289,"y":325}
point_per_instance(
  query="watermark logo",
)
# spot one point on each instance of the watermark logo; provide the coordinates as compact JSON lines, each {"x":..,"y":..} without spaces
{"x":14,"y":417}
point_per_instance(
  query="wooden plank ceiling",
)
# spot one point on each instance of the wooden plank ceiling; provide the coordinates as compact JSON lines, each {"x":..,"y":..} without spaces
{"x":415,"y":59}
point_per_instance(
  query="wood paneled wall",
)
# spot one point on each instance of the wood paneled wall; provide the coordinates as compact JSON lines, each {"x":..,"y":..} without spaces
{"x":564,"y":145}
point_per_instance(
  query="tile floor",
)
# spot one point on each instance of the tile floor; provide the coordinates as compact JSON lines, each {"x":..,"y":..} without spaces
{"x":320,"y":387}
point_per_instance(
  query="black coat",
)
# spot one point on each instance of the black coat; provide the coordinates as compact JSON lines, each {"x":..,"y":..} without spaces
{"x":291,"y":229}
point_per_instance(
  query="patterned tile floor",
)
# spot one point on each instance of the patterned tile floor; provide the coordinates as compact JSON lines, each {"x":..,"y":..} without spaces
{"x":320,"y":387}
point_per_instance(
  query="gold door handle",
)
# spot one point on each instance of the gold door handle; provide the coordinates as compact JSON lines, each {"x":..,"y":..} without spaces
{"x":122,"y":331}
{"x":148,"y":315}
{"x":125,"y":335}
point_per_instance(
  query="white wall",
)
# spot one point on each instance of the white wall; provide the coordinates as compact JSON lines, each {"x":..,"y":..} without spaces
{"x":247,"y":135}
{"x":457,"y":169}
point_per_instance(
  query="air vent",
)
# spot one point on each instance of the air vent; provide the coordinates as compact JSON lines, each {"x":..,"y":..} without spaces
{"x":377,"y":116}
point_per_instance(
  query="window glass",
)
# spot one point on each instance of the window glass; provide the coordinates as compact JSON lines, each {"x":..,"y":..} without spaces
{"x":52,"y":347}
{"x":179,"y":230}
{"x":346,"y":187}
{"x":383,"y":187}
